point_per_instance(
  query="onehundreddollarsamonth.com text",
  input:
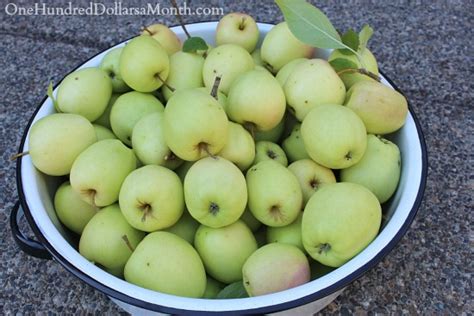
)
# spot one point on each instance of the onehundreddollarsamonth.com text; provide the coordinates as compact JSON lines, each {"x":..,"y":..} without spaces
{"x":115,"y":8}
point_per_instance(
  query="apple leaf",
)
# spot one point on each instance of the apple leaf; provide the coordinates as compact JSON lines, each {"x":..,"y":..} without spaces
{"x":233,"y":290}
{"x":351,"y":39}
{"x":309,"y":24}
{"x":194,"y":44}
{"x":364,"y":35}
{"x":342,"y":63}
{"x":50,"y":94}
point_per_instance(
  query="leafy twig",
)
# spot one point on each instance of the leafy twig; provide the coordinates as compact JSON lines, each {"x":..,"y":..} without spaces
{"x":362,"y":71}
{"x":180,"y":18}
{"x":311,"y":26}
{"x":19,"y":155}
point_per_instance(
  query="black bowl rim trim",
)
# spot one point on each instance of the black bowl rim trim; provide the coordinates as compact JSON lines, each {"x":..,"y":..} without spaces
{"x":268,"y":309}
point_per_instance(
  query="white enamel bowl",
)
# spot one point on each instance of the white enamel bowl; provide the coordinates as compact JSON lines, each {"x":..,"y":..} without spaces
{"x":36,"y":195}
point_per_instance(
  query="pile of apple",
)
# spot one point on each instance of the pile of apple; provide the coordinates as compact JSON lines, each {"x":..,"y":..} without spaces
{"x":233,"y":165}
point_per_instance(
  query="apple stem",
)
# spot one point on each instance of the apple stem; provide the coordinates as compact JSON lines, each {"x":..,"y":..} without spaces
{"x":147,"y":30}
{"x":215,"y":87}
{"x":157,"y":76}
{"x":146,"y":212}
{"x":205,"y":147}
{"x":242,"y":24}
{"x":180,"y":18}
{"x":127,"y":242}
{"x":361,"y":71}
{"x":19,"y":155}
{"x":209,"y":153}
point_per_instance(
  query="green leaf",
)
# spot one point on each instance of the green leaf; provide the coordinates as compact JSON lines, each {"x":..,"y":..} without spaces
{"x":342,"y":63}
{"x":351,"y":39}
{"x":50,"y":94}
{"x":194,"y":44}
{"x":309,"y":24}
{"x":233,"y":290}
{"x":364,"y":35}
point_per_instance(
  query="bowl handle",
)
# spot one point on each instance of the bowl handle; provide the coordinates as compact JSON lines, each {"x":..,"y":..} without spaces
{"x":31,"y":247}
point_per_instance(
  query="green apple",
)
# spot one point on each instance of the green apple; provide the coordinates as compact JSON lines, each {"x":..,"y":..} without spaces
{"x":221,"y":97}
{"x":103,"y":132}
{"x":382,"y":109}
{"x":233,"y":290}
{"x":148,"y":142}
{"x":185,"y":72}
{"x":223,"y":258}
{"x":182,"y":170}
{"x":195,"y":125}
{"x":286,"y":70}
{"x":227,"y":61}
{"x":240,"y":147}
{"x":185,"y":227}
{"x":289,"y":234}
{"x":108,"y":240}
{"x":151,"y":198}
{"x":166,"y":263}
{"x":334,"y":136}
{"x":339,"y":221}
{"x":275,"y":267}
{"x":104,"y":119}
{"x":311,"y":176}
{"x":72,"y":211}
{"x":99,"y":171}
{"x":56,"y":140}
{"x":379,"y":168}
{"x":213,"y":199}
{"x":128,"y":109}
{"x":110,"y":64}
{"x":274,"y":193}
{"x":269,"y":151}
{"x":280,"y":46}
{"x":163,"y":35}
{"x":257,"y":59}
{"x":273,"y":135}
{"x":250,"y":220}
{"x":370,"y":63}
{"x":213,"y":288}
{"x":85,"y":92}
{"x":256,"y":100}
{"x":144,"y":64}
{"x":313,"y":82}
{"x":239,"y":29}
{"x":293,"y":145}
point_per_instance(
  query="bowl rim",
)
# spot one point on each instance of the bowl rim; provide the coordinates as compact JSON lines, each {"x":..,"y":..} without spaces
{"x":266,"y":309}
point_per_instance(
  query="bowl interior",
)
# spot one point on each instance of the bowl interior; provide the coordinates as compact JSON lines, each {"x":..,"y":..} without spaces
{"x":39,"y":190}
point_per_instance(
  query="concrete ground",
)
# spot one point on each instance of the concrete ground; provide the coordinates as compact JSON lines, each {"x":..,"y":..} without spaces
{"x":425,"y":47}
